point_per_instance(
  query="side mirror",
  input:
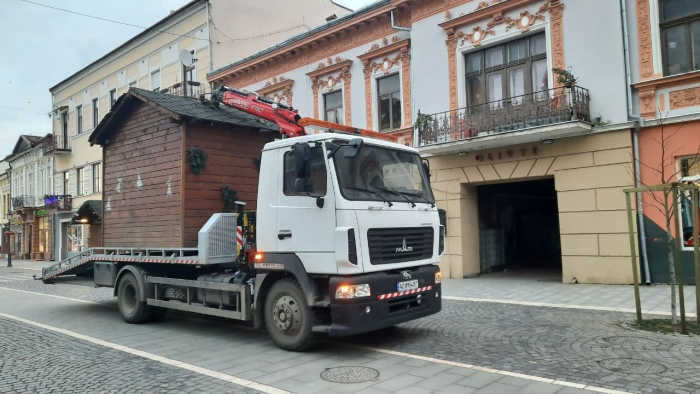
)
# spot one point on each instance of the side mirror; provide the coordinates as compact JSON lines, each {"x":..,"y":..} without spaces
{"x":426,"y":167}
{"x":352,"y":148}
{"x":302,"y":154}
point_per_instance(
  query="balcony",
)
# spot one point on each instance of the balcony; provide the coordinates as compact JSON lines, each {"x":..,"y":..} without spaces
{"x":189,"y":89}
{"x":23,"y":202}
{"x":538,"y":116}
{"x":58,"y":202}
{"x":57,"y":145}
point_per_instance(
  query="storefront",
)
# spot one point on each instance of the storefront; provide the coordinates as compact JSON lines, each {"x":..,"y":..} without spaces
{"x":78,"y":231}
{"x":555,"y":205}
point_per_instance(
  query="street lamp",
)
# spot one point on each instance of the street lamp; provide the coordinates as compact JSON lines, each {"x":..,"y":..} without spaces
{"x":9,"y":234}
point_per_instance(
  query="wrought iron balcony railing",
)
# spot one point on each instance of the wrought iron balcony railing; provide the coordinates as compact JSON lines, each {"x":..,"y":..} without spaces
{"x":189,"y":89}
{"x":57,"y":144}
{"x":505,"y":116}
{"x":21,"y":202}
{"x":59,"y":202}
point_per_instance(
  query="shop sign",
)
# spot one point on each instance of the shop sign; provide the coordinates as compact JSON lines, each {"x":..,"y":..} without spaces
{"x":17,"y":221}
{"x":41,"y":212}
{"x":513,"y":153}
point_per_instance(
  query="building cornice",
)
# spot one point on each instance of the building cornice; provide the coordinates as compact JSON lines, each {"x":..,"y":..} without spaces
{"x":668,"y":82}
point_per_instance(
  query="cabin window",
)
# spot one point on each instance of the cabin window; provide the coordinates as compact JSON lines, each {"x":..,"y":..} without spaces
{"x":317,"y":163}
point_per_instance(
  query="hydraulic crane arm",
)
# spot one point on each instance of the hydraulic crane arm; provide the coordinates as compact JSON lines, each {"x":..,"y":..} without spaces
{"x":287,"y":118}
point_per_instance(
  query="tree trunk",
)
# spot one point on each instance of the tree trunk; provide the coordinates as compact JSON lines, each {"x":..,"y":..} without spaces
{"x":671,"y":262}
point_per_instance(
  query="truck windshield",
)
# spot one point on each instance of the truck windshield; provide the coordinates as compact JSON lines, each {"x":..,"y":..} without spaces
{"x":381,"y":174}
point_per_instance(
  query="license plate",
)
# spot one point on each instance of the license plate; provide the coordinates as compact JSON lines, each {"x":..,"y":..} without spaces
{"x":408,"y":285}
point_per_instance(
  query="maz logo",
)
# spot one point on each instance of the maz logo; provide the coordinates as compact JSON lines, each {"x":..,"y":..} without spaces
{"x":404,"y":248}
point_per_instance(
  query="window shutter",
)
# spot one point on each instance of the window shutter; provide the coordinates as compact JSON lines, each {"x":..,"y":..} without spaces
{"x":58,"y":183}
{"x":72,"y":189}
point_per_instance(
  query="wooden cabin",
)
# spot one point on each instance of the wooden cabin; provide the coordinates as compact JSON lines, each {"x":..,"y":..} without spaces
{"x":159,"y":190}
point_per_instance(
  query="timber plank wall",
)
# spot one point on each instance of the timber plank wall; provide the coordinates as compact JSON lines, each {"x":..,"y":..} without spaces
{"x":146,"y":145}
{"x":231,"y":153}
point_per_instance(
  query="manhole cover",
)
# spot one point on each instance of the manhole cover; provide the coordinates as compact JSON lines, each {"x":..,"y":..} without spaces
{"x":633,"y":342}
{"x":628,"y":365}
{"x":349,"y":374}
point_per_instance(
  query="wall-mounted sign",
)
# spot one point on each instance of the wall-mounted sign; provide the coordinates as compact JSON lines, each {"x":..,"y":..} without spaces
{"x":41,"y":212}
{"x":507,"y":154}
{"x":16,"y":228}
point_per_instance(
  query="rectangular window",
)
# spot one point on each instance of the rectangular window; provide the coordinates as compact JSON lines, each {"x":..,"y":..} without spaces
{"x":112,"y":97}
{"x":507,"y":72}
{"x":317,"y":174}
{"x":95,"y":112}
{"x":680,"y":35}
{"x":155,"y":81}
{"x":333,"y":107}
{"x":689,"y":172}
{"x":79,"y":122}
{"x":389,"y":99}
{"x":64,"y":128}
{"x":96,"y":180}
{"x":80,"y":181}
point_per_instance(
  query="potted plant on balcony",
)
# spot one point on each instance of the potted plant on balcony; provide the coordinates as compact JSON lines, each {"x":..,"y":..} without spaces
{"x":565,"y":77}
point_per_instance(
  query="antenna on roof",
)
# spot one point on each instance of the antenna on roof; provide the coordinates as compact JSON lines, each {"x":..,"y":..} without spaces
{"x":186,"y":58}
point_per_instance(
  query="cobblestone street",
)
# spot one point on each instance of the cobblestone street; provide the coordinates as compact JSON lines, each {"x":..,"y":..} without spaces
{"x":469,"y":347}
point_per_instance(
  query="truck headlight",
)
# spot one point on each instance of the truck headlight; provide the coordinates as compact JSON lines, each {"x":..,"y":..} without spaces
{"x":438,"y":277}
{"x":352,"y":291}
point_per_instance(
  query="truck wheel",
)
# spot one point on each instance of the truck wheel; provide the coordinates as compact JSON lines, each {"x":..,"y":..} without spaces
{"x":128,"y":295}
{"x":288,"y":318}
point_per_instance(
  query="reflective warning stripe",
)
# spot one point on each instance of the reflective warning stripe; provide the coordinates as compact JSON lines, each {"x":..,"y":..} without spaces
{"x":406,"y":292}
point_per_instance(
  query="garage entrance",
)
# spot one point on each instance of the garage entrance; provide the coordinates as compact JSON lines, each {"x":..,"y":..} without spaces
{"x":519,"y":227}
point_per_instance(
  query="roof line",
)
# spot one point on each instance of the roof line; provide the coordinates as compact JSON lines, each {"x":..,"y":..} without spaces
{"x":299,"y":37}
{"x":131,"y":40}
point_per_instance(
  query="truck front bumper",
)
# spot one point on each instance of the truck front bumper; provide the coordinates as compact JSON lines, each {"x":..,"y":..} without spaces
{"x":386,"y":306}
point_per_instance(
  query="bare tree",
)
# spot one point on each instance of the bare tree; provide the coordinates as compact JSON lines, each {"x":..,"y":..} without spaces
{"x":666,"y":171}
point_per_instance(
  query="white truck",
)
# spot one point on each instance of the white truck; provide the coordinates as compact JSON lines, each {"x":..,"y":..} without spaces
{"x":350,"y":245}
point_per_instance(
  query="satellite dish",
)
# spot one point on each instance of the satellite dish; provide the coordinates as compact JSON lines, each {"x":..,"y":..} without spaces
{"x":186,"y":57}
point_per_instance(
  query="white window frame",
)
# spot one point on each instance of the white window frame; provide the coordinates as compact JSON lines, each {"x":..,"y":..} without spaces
{"x":112,"y":97}
{"x":160,"y":79}
{"x":95,"y":111}
{"x":396,"y":69}
{"x":79,"y":120}
{"x":96,"y":187}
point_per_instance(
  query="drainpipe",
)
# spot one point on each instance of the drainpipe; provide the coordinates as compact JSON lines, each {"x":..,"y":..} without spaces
{"x":211,"y":61}
{"x":393,"y":25}
{"x":639,"y":123}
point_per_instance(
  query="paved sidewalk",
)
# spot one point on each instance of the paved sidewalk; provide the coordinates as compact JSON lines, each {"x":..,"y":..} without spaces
{"x":34,"y":265}
{"x":545,"y":289}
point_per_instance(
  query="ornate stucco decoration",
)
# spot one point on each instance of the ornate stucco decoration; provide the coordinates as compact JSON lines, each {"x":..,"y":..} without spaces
{"x":684,"y":98}
{"x":526,"y":19}
{"x":328,"y":78}
{"x":475,"y":37}
{"x":278,"y":89}
{"x":646,"y":67}
{"x":385,"y":60}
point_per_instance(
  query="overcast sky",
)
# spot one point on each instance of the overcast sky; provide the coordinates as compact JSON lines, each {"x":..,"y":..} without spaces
{"x":42,"y":46}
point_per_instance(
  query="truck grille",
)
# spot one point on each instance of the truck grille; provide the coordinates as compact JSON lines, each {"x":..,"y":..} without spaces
{"x":396,"y":245}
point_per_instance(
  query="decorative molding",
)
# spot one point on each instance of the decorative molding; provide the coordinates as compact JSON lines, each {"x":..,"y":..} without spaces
{"x":451,"y":43}
{"x":475,"y":37}
{"x":684,"y":98}
{"x":647,"y":98}
{"x":386,"y":64}
{"x":347,"y":97}
{"x":326,"y":69}
{"x":669,"y":82}
{"x":482,"y":5}
{"x":480,"y":14}
{"x":278,"y":88}
{"x":646,"y":64}
{"x":406,"y":77}
{"x":425,"y":9}
{"x":556,"y":16}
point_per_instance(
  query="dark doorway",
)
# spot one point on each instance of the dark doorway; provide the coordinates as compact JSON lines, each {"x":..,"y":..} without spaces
{"x":519,"y":226}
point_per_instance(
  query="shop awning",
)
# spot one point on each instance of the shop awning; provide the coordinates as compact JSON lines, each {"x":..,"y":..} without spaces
{"x":89,"y":212}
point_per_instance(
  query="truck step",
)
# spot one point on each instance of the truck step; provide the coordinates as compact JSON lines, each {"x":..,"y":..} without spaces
{"x":323,"y":328}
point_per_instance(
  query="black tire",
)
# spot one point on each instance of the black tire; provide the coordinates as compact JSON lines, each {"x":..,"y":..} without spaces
{"x":288,"y":318}
{"x":128,"y":295}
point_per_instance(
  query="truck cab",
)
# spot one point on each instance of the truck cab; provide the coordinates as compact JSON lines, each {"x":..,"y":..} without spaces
{"x":358,"y":216}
